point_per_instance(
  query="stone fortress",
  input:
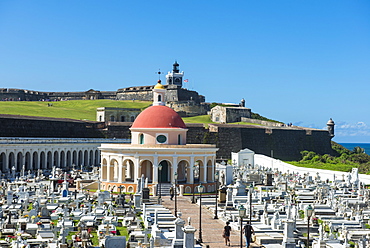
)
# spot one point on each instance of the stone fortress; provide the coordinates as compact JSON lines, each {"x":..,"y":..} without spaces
{"x":185,"y":102}
{"x":266,"y":138}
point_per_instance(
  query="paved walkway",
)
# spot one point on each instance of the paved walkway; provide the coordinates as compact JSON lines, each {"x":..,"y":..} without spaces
{"x":211,"y":228}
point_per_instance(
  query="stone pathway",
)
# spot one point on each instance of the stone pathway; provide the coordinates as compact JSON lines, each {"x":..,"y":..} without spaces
{"x":211,"y":228}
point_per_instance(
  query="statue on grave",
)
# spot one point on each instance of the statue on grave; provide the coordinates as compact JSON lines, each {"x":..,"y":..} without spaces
{"x":223,"y":178}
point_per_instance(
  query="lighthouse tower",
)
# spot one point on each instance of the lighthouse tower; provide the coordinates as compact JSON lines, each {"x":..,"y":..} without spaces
{"x":175,"y":77}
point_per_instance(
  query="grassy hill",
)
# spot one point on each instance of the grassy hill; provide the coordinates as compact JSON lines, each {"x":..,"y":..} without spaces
{"x":74,"y":109}
{"x":82,"y":109}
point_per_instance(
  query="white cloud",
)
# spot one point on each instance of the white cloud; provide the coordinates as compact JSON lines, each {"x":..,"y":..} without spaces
{"x":352,"y":129}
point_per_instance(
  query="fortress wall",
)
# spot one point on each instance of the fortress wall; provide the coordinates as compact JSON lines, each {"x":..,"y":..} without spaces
{"x":286,"y":143}
{"x":140,"y":95}
{"x":184,"y":95}
{"x":189,"y":108}
{"x":26,"y":126}
{"x":119,"y":130}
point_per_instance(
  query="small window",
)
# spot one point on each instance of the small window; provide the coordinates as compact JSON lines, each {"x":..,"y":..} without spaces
{"x":159,"y":98}
{"x":179,"y":139}
{"x":122,"y":118}
{"x":141,"y":139}
{"x":132,"y":118}
{"x":161,"y":139}
{"x":100,"y":118}
{"x":111,"y":118}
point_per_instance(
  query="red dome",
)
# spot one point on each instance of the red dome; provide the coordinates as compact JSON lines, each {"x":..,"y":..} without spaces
{"x":158,"y":117}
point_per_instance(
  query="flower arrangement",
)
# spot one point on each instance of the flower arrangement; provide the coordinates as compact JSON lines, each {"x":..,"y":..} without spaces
{"x":113,"y":232}
{"x":33,"y":217}
{"x":26,"y":215}
{"x":38,"y":223}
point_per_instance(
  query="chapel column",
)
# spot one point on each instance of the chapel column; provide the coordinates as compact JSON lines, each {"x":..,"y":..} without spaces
{"x":108,"y":169}
{"x":204,"y":175}
{"x":120,"y":158}
{"x":191,"y":176}
{"x":174,"y":169}
{"x":136,"y":167}
{"x":155,"y":168}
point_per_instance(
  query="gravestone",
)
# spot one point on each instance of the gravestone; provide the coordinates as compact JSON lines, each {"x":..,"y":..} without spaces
{"x":268,"y":181}
{"x":145,"y":194}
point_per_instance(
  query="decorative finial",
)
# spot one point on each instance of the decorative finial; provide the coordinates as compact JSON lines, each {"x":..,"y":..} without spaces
{"x":159,"y":74}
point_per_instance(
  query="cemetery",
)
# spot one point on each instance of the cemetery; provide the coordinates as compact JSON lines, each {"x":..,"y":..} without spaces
{"x":287,"y":207}
{"x":124,"y":202}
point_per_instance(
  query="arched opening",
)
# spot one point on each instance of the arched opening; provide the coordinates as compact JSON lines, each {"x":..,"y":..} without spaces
{"x":27,"y":161}
{"x":3,"y":162}
{"x":141,"y":139}
{"x":111,"y":118}
{"x":147,"y":170}
{"x":11,"y":161}
{"x":132,"y":118}
{"x":86,"y":158}
{"x":210,"y":172}
{"x":97,"y":158}
{"x":159,"y":98}
{"x":56,"y":159}
{"x":49,"y":161}
{"x":179,"y":139}
{"x":122,"y":118}
{"x":129,"y":170}
{"x":91,"y":158}
{"x":164,"y":173}
{"x":199,"y":174}
{"x":69,"y":159}
{"x":80,"y":158}
{"x":62,"y":162}
{"x":42,"y":160}
{"x":19,"y":162}
{"x":182,"y":172}
{"x":113,"y":171}
{"x":35,"y":161}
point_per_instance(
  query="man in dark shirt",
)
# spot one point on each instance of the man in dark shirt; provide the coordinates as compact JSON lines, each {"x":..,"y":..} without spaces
{"x":248,"y":231}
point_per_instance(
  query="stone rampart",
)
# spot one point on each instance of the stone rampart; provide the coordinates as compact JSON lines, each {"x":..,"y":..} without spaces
{"x":264,"y":123}
{"x":286,"y":143}
{"x":29,"y":126}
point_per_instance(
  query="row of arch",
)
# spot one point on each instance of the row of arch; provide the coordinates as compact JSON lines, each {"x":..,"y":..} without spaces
{"x":131,"y":189}
{"x":33,"y":160}
{"x":112,"y":172}
{"x":121,"y":119}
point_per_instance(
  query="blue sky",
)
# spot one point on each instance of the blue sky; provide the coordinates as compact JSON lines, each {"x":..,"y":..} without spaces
{"x":294,"y":61}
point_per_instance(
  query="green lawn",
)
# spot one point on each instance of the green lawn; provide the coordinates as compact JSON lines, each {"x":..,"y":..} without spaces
{"x":198,"y":119}
{"x":325,"y":166}
{"x":74,"y":109}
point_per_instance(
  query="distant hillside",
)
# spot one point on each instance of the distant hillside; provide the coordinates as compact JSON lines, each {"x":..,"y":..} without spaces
{"x":74,"y":109}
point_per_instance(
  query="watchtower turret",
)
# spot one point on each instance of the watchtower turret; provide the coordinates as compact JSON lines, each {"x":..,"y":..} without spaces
{"x":330,"y":125}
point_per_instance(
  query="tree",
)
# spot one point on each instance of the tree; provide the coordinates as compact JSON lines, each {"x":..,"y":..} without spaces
{"x":358,"y":150}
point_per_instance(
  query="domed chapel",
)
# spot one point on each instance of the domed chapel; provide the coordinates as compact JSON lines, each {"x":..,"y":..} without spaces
{"x":158,"y":151}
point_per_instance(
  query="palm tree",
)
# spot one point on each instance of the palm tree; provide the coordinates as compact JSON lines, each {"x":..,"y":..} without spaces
{"x":358,"y":150}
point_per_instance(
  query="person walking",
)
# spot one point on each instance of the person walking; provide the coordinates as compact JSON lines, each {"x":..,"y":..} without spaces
{"x":248,"y":231}
{"x":171,"y":193}
{"x":226,"y":233}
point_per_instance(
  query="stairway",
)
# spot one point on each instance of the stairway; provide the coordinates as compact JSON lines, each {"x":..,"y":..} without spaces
{"x":164,"y":188}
